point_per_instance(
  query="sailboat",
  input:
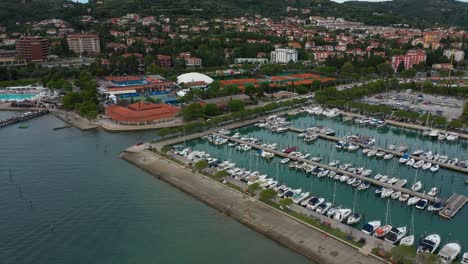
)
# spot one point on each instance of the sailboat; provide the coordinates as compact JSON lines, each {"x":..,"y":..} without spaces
{"x":409,"y":240}
{"x":384,"y":230}
{"x":354,"y":218}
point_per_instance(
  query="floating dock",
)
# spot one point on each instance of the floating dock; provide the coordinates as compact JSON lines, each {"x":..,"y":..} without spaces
{"x":22,"y":118}
{"x":398,"y":187}
{"x":396,"y":153}
{"x":454,"y":204}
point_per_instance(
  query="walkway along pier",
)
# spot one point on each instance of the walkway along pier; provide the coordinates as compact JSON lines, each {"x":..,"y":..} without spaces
{"x":372,"y":181}
{"x":22,"y":118}
{"x":275,"y":224}
{"x":396,"y":153}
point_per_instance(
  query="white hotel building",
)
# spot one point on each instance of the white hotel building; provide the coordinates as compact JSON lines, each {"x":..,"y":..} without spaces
{"x":284,"y":56}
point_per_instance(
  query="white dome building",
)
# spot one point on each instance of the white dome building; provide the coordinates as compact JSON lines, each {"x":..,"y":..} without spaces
{"x":194,"y":77}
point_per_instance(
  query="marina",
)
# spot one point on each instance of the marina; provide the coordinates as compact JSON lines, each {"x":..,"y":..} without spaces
{"x":322,"y":151}
{"x":21,"y":118}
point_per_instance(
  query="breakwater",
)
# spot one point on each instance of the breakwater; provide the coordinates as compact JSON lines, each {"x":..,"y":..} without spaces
{"x":273,"y":223}
{"x":22,"y":118}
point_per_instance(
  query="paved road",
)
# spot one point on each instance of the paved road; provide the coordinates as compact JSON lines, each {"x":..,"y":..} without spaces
{"x":271,"y":222}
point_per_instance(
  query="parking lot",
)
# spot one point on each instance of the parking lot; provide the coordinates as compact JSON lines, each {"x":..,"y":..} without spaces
{"x":449,"y":107}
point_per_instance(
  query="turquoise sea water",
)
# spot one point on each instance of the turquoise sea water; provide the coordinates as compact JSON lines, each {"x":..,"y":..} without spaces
{"x":71,"y":199}
{"x":15,"y":97}
{"x":368,"y":204}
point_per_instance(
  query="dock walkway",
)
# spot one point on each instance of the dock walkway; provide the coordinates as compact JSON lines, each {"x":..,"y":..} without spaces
{"x":454,"y":204}
{"x":396,"y":153}
{"x":22,"y":118}
{"x":363,"y":178}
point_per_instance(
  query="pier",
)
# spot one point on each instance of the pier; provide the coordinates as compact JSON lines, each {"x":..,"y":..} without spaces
{"x":397,"y":187}
{"x":454,"y":204}
{"x":22,"y":118}
{"x":396,"y":153}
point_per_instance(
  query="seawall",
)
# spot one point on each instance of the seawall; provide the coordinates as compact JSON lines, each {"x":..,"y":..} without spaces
{"x":290,"y":232}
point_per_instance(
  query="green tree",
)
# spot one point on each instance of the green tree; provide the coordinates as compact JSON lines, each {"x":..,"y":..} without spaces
{"x":253,"y":188}
{"x":211,"y":110}
{"x":403,"y":254}
{"x":285,"y":202}
{"x":220,"y":174}
{"x":192,"y":111}
{"x":410,"y":73}
{"x":456,"y":124}
{"x":267,"y":195}
{"x":236,"y":105}
{"x":401,"y":67}
{"x":201,"y":165}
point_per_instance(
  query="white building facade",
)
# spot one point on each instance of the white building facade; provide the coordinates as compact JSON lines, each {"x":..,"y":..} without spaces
{"x":284,"y":56}
{"x":458,"y":55}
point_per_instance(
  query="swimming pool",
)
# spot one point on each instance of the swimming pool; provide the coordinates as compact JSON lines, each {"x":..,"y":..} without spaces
{"x":16,"y":97}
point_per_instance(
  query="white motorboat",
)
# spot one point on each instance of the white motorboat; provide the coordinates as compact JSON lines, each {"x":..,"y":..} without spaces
{"x":386,"y":192}
{"x":434,"y":168}
{"x":426,"y":166}
{"x":435,"y":207}
{"x":370,"y":227}
{"x":315,"y":202}
{"x":351,"y":181}
{"x":282,"y":191}
{"x":334,"y":163}
{"x":366,"y":172}
{"x":298,"y":197}
{"x":404,"y":197}
{"x":378,"y":176}
{"x":364,"y":185}
{"x":429,"y":244}
{"x":285,"y":160}
{"x":392,"y":180}
{"x":404,"y":159}
{"x":380,"y":154}
{"x":388,"y":156}
{"x":384,"y":178}
{"x":333,"y":210}
{"x":365,"y":150}
{"x":382,"y":231}
{"x":417,"y":186}
{"x":392,"y":147}
{"x":413,"y":200}
{"x":395,"y":234}
{"x":344,"y":178}
{"x":353,"y":219}
{"x":323,"y":173}
{"x":316,"y":159}
{"x":410,"y":162}
{"x":407,"y":241}
{"x":464,"y":258}
{"x":418,"y":164}
{"x":452,"y":136}
{"x":353,"y":147}
{"x":395,"y":195}
{"x":421,"y":204}
{"x":372,"y":152}
{"x":433,"y":191}
{"x":417,"y":152}
{"x":449,"y":253}
{"x":323,"y":208}
{"x":342,"y":214}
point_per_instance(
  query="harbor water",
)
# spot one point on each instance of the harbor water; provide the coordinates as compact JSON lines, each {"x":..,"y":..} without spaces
{"x":66,"y":197}
{"x":372,"y":207}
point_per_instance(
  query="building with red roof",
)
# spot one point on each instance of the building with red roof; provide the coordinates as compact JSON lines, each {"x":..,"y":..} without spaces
{"x":142,"y":113}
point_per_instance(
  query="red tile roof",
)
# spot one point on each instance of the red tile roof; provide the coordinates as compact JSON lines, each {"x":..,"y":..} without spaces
{"x":141,"y":112}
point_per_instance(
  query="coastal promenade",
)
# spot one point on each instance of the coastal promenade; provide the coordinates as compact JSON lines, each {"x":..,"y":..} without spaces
{"x":295,"y":234}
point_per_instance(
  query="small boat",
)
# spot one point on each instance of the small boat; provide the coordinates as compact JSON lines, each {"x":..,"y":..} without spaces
{"x":404,"y":159}
{"x":380,"y":154}
{"x":418,"y":164}
{"x":351,"y":181}
{"x":282,"y":190}
{"x":426,"y":166}
{"x":386,"y":192}
{"x":434,"y":168}
{"x":452,"y":137}
{"x":365,"y":150}
{"x":395,"y":234}
{"x":404,"y":197}
{"x":334,"y":163}
{"x":378,"y":176}
{"x":392,"y":180}
{"x":435,"y":207}
{"x":429,"y":244}
{"x":344,"y":178}
{"x":392,"y":147}
{"x":356,"y":183}
{"x":395,"y":195}
{"x":285,"y":160}
{"x":316,"y":159}
{"x":299,"y":197}
{"x":421,"y":204}
{"x":384,"y":178}
{"x":332,"y":211}
{"x":370,"y":227}
{"x":366,"y":172}
{"x":378,"y":190}
{"x":410,"y":162}
{"x":382,"y":231}
{"x":372,"y":152}
{"x":407,"y":241}
{"x":449,"y":253}
{"x":323,"y":208}
{"x":464,"y":258}
{"x":388,"y":156}
{"x":353,"y":219}
{"x":433,"y":191}
{"x":413,"y":200}
{"x":314,"y":203}
{"x":342,"y":214}
{"x":417,"y":186}
{"x":364,"y":185}
{"x":353,"y":147}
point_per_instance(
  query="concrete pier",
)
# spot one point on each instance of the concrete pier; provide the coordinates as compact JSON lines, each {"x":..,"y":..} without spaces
{"x":290,"y":232}
{"x":396,"y":153}
{"x":24,"y":117}
{"x":454,"y":204}
{"x":363,"y":178}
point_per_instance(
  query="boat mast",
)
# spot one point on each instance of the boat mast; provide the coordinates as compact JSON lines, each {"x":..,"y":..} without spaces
{"x":334,"y":190}
{"x":386,"y":213}
{"x":355,"y":197}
